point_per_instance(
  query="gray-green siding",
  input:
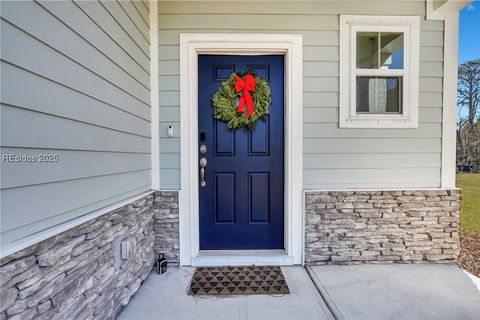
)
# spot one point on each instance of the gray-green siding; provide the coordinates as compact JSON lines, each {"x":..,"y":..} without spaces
{"x":334,"y":158}
{"x":75,"y":82}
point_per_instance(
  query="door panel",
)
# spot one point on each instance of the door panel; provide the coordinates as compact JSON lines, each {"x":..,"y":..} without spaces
{"x":259,"y":139}
{"x":242,"y":203}
{"x":224,"y":197}
{"x":224,"y":139}
{"x":259,"y":205}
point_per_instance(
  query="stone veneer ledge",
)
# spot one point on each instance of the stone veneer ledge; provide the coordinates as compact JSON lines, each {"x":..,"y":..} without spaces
{"x":166,"y":226}
{"x":348,"y":227}
{"x":72,"y":275}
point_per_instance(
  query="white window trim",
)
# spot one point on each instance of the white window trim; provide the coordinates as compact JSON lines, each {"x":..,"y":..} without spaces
{"x":410,"y":26}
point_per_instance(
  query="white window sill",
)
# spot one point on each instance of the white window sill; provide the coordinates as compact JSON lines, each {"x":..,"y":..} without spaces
{"x":382,"y":123}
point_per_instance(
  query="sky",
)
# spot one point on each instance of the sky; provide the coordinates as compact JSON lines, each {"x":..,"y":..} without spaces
{"x":469,"y":39}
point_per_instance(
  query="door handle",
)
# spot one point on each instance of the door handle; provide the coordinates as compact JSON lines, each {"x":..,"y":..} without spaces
{"x":203,"y":164}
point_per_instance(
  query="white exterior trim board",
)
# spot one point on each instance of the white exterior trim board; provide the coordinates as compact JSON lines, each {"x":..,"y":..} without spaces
{"x":53,"y":231}
{"x":228,"y":260}
{"x":155,"y":117}
{"x":377,"y":190}
{"x":240,"y":44}
{"x":449,"y":110}
{"x":241,"y":257}
{"x":440,"y":13}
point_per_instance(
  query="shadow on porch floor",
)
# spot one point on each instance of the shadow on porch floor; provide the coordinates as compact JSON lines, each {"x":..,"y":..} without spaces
{"x":165,"y":297}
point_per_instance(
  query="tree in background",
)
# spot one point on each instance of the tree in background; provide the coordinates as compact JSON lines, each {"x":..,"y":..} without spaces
{"x":468,"y":112}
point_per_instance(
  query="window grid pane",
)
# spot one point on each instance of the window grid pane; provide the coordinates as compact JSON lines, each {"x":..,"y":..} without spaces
{"x":377,"y":95}
{"x":367,"y":50}
{"x":380,"y":50}
{"x":391,"y":52}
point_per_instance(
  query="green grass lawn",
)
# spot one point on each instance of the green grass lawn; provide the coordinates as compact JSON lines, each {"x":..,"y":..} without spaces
{"x":470,"y":206}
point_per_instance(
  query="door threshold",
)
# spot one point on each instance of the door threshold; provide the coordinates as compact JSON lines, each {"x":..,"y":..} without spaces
{"x":241,"y":257}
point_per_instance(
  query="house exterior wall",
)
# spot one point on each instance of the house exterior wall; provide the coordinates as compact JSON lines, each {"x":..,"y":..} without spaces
{"x":334,"y":158}
{"x":78,"y":87}
{"x":75,"y":82}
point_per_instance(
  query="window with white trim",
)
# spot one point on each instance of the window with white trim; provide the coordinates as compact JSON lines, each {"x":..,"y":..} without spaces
{"x":379,"y":60}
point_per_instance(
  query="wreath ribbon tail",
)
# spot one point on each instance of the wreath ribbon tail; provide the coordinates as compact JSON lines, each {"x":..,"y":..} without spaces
{"x":241,"y":104}
{"x":249,"y":101}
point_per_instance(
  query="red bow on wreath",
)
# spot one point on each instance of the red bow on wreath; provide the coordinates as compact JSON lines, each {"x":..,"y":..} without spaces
{"x":246,"y":85}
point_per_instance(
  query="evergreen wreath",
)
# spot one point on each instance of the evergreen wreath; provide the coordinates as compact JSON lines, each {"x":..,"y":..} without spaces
{"x":229,"y":101}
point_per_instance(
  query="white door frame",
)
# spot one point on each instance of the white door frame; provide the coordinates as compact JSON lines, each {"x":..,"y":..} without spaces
{"x":240,"y":44}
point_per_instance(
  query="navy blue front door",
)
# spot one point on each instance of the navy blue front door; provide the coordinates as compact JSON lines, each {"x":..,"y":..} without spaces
{"x":241,"y":204}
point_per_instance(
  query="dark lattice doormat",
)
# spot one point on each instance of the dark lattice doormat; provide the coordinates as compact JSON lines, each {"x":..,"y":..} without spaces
{"x":238,"y":280}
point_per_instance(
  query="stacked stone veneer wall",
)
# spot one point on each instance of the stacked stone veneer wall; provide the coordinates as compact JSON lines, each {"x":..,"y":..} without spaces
{"x":381,"y":226}
{"x":73,"y":275}
{"x":166,"y":225}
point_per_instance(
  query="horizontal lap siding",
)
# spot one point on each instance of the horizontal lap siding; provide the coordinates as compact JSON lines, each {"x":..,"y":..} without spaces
{"x":75,"y":82}
{"x":334,"y":158}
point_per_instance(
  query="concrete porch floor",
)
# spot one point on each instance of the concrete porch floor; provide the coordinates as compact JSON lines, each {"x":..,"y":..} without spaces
{"x":423,"y":291}
{"x":400,"y":291}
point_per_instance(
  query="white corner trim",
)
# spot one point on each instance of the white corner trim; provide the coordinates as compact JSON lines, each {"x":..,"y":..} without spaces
{"x":439,"y":12}
{"x":410,"y":27}
{"x":434,"y":13}
{"x":449,"y":110}
{"x":240,"y":44}
{"x":53,"y":231}
{"x":154,"y":117}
